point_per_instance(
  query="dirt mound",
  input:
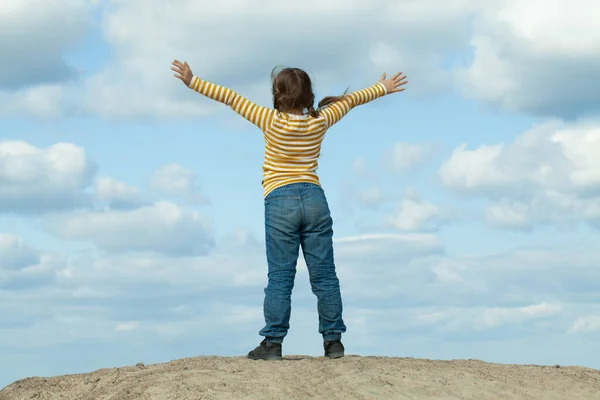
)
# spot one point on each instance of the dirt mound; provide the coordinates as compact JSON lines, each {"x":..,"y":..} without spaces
{"x":298,"y":377}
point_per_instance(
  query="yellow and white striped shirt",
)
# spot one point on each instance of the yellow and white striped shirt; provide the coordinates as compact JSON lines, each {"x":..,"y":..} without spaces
{"x":292,"y":142}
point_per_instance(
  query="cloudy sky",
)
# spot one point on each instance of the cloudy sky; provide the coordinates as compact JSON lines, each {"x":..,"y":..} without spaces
{"x":465,"y":208}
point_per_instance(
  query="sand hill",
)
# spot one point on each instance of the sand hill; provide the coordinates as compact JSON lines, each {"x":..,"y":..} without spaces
{"x":298,"y":377}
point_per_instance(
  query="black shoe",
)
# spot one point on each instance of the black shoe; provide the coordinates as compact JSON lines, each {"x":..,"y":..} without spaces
{"x":334,"y":349}
{"x":266,"y":351}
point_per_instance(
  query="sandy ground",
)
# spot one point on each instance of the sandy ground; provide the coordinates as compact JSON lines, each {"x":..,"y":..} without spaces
{"x":298,"y":377}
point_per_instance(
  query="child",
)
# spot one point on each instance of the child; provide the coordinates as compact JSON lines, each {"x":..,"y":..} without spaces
{"x":296,"y":210}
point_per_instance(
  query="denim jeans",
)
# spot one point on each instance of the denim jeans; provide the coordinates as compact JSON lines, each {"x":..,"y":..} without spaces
{"x":297,"y":215}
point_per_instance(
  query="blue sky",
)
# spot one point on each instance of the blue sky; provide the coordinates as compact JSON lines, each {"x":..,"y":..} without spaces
{"x":465,"y":208}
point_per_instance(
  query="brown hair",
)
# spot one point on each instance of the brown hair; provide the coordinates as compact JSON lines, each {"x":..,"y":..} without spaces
{"x":292,"y":88}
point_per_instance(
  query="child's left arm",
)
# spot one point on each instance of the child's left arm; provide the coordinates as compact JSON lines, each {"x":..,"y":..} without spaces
{"x":258,"y":115}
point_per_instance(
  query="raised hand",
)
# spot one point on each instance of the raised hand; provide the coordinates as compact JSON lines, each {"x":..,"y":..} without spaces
{"x":393,"y":85}
{"x":182,"y":71}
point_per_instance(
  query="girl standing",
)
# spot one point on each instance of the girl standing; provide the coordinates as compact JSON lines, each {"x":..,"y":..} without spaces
{"x":297,"y":214}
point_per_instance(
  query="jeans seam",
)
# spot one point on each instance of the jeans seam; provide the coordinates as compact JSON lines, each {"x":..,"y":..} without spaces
{"x":302,"y":217}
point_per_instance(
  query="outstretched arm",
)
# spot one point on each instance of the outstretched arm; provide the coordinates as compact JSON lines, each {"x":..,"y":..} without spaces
{"x":258,"y":115}
{"x":336,"y":111}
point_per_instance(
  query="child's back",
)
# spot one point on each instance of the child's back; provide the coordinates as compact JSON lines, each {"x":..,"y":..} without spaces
{"x":292,"y":150}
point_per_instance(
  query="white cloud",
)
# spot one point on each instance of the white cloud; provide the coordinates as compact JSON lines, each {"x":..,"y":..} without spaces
{"x":364,"y":196}
{"x":14,"y":254}
{"x":148,"y":299}
{"x":509,"y":214}
{"x":415,"y":215}
{"x":57,"y":178}
{"x":396,"y":246}
{"x":585,"y":324}
{"x":117,"y":194}
{"x":38,"y":80}
{"x":498,"y":316}
{"x":550,"y":275}
{"x":233,"y":268}
{"x":24,"y":268}
{"x":519,"y":54}
{"x":371,"y":197}
{"x":175,"y":31}
{"x":523,"y":51}
{"x":162,"y":227}
{"x":376,"y":267}
{"x":163,"y":290}
{"x":411,"y":212}
{"x":35,"y":180}
{"x":403,"y":157}
{"x":175,"y":180}
{"x":547,"y":175}
{"x":398,"y":267}
{"x":127,"y":326}
{"x":137,"y":83}
{"x":36,"y":57}
{"x":43,"y":101}
{"x":483,"y":318}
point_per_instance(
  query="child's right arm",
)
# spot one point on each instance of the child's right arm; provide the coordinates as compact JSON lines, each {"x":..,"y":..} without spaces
{"x":336,"y":111}
{"x":258,"y":115}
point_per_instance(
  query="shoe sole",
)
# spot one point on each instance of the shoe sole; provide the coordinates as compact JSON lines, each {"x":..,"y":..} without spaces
{"x":335,"y":355}
{"x":266,"y":358}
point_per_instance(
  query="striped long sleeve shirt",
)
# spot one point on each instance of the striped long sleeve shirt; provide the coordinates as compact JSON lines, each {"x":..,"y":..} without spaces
{"x":292,"y":142}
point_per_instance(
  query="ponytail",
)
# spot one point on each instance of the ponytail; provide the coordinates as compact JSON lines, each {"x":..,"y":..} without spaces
{"x":331,"y":99}
{"x":326,"y":101}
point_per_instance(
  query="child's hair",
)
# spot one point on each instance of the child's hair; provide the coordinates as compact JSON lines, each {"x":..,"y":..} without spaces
{"x":292,"y":88}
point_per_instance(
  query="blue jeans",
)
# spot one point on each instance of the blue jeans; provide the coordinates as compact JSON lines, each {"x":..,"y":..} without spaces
{"x":298,"y":215}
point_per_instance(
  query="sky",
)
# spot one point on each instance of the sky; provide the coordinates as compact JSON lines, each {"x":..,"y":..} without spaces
{"x":465,"y":208}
